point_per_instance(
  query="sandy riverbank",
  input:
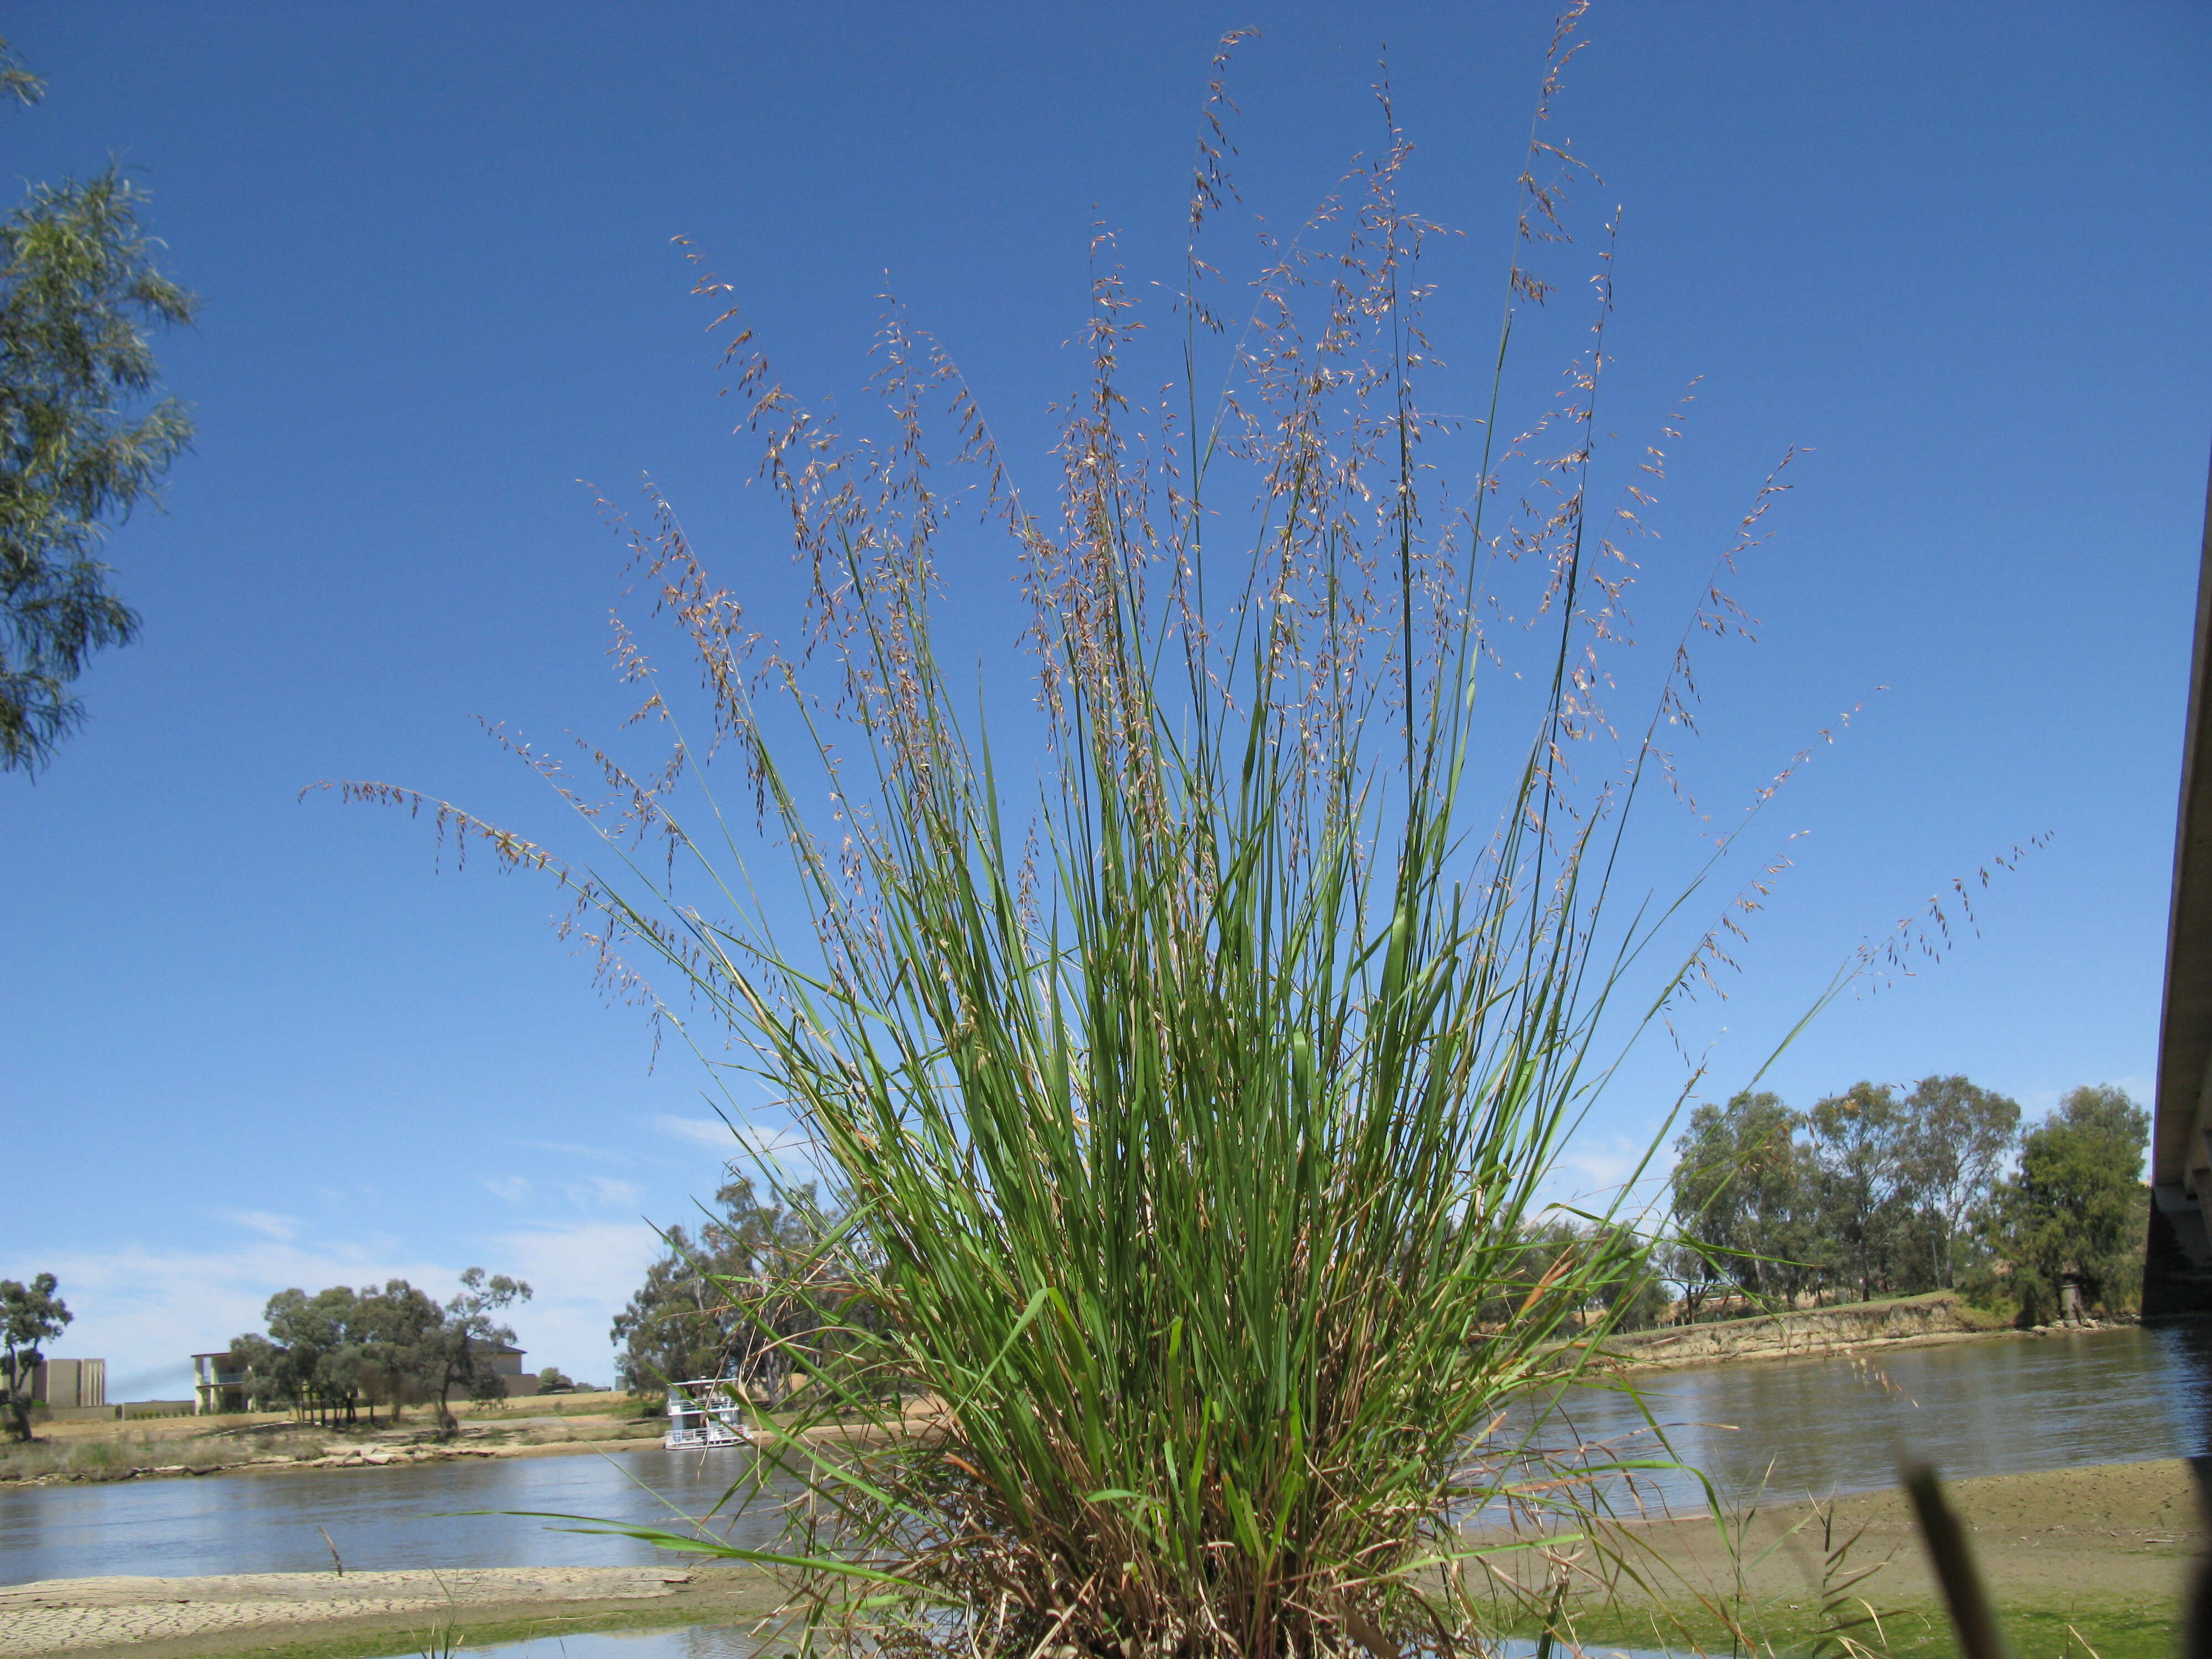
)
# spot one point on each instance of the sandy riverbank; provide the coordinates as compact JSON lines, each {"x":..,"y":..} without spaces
{"x":322,"y":1615}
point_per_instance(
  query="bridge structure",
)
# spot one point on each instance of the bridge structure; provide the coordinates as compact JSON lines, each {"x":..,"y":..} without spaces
{"x":2178,"y":1267}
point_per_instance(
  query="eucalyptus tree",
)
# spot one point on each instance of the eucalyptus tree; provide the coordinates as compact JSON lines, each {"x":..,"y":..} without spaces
{"x":264,"y":1372}
{"x":1857,"y":1142}
{"x":398,"y":1328}
{"x":86,"y":434}
{"x":1953,"y":1149}
{"x":1741,"y":1198}
{"x":2076,"y":1206}
{"x":717,"y":1302}
{"x":323,"y":1340}
{"x":329,"y":1352}
{"x":452,"y":1353}
{"x":31,"y":1316}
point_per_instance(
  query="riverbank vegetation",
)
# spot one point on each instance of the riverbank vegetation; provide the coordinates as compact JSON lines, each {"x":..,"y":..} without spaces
{"x":1875,"y":1194}
{"x":118,"y":1453}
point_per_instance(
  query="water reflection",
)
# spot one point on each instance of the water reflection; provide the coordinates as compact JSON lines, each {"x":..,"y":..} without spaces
{"x":385,"y":1519}
{"x":1809,"y":1427}
{"x":691,"y":1641}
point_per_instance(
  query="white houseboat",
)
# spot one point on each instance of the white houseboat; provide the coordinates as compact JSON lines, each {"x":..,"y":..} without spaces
{"x":705,"y":1412}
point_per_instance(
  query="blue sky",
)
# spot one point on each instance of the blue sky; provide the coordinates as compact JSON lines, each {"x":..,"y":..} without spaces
{"x":251,"y":1043}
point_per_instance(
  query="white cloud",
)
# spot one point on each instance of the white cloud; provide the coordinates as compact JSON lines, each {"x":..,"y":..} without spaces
{"x":604,"y":1191}
{"x":1593,"y":1172}
{"x":571,"y":1149}
{"x":147,"y":1310}
{"x":699,"y":1131}
{"x":514,"y":1188}
{"x":582,"y":1275}
{"x":737,"y":1139}
{"x":281,"y":1228}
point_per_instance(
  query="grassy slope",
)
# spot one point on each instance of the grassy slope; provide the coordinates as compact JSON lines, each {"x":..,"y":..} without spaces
{"x":2104,"y":1549}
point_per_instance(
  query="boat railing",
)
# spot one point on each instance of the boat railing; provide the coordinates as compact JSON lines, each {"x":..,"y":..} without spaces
{"x":705,"y":1412}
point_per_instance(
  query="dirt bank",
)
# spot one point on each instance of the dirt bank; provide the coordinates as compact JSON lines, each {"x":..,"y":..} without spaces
{"x":1939,"y":1318}
{"x":372,"y":1455}
{"x":321,"y":1616}
{"x":101,"y":1451}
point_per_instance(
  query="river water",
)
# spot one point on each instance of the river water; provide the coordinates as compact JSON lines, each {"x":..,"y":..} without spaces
{"x":1807,"y":1428}
{"x":400,"y":1517}
{"x":1795,"y":1428}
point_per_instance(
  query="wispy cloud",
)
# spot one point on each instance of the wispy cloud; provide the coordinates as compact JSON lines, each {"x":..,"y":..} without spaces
{"x":147,"y":1310}
{"x":605,"y":1192}
{"x":583,"y":1275}
{"x":699,"y":1131}
{"x":514,"y":1188}
{"x":572,"y":1149}
{"x":1596,"y":1173}
{"x":736,"y":1138}
{"x":281,"y":1228}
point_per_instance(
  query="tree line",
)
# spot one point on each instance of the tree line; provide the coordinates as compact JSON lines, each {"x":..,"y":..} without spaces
{"x":331,"y":1355}
{"x":1875,"y":1193}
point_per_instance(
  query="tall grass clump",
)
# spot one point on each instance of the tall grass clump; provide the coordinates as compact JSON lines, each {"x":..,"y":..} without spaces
{"x":1185,"y":1094}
